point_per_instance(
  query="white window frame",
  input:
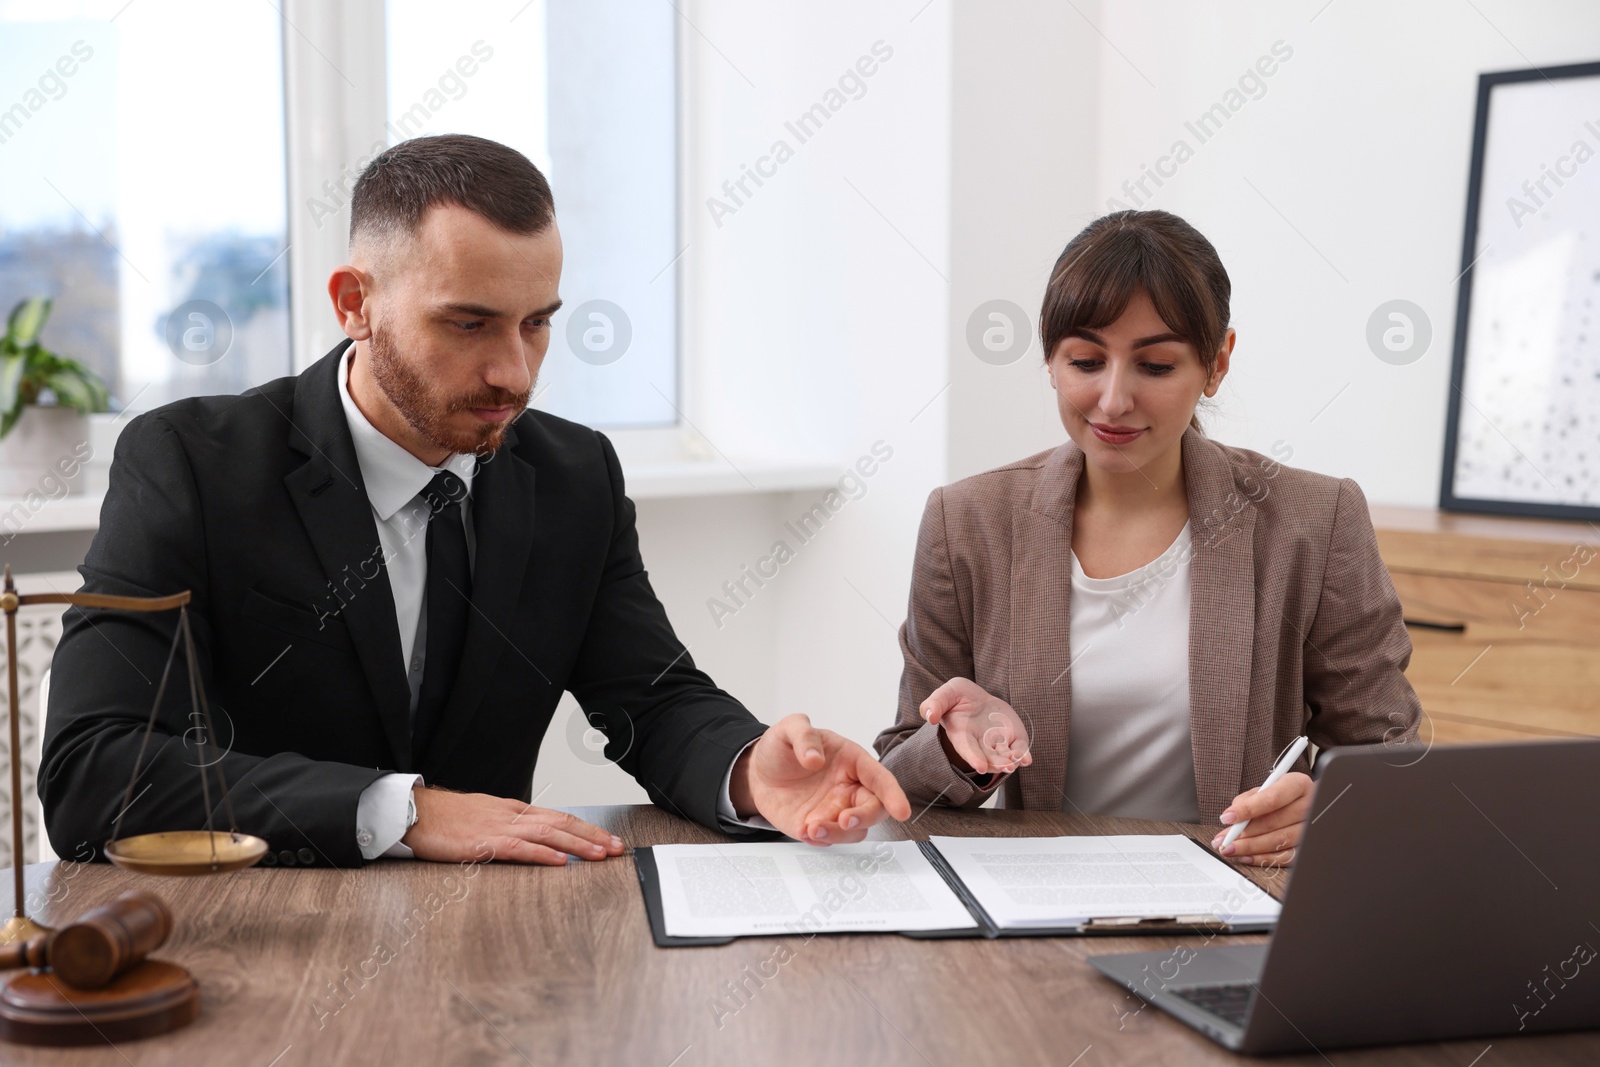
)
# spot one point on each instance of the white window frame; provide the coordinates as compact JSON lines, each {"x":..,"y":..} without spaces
{"x":331,"y":125}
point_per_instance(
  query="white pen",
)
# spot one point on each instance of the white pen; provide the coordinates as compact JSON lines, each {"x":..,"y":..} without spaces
{"x":1279,"y":771}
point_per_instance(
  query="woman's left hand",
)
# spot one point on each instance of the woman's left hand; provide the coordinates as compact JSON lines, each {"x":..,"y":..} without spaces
{"x":1276,"y":813}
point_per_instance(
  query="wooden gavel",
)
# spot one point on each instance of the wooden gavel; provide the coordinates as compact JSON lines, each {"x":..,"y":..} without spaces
{"x":101,"y":945}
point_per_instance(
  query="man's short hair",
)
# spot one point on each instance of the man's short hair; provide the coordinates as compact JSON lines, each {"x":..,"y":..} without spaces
{"x":485,"y":177}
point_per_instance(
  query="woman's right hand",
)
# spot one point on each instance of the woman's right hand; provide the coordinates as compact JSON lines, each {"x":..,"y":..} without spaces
{"x":983,"y":730}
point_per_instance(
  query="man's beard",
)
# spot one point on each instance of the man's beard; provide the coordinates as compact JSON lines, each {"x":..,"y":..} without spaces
{"x":430,"y":414}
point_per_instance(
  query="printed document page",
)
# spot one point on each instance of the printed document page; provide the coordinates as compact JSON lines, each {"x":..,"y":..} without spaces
{"x":1066,"y":881}
{"x":779,"y":887}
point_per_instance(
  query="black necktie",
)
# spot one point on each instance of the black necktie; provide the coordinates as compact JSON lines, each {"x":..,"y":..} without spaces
{"x":449,"y":605}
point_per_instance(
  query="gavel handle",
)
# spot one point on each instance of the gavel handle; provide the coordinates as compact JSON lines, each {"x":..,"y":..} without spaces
{"x":23,"y":953}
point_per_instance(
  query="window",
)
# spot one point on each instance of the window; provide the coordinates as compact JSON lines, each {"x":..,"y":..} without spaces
{"x":589,"y":93}
{"x":146,"y":177}
{"x":142,"y":187}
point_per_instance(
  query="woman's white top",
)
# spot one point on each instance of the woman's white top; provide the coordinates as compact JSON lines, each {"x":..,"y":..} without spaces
{"x":1128,"y":750}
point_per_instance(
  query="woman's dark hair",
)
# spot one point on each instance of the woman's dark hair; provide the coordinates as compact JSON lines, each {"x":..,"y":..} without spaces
{"x":1114,"y":257}
{"x":398,"y":187}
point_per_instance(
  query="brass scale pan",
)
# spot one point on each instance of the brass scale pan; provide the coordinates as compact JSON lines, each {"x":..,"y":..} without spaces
{"x":174,"y":852}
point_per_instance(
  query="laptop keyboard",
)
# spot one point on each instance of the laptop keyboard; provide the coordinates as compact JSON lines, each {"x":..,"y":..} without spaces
{"x":1230,"y":1002}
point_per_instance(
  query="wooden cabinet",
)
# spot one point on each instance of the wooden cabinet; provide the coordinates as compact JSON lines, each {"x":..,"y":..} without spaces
{"x":1504,"y":616}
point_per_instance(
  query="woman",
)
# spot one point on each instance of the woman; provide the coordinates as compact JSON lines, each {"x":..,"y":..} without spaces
{"x":1138,"y":622}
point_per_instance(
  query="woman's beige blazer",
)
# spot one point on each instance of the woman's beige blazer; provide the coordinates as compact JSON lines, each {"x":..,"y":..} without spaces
{"x":1294,"y":625}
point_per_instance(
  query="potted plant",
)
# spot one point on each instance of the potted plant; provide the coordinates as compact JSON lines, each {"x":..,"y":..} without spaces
{"x":45,"y":404}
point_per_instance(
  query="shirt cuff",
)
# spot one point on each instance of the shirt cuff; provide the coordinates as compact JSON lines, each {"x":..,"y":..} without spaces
{"x":725,"y":812}
{"x":381,"y":816}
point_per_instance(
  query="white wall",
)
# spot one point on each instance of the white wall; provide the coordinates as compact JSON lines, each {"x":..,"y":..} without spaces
{"x":1025,"y":121}
{"x":816,"y":324}
{"x":818,"y":317}
{"x":1361,"y":143}
{"x":994,"y":133}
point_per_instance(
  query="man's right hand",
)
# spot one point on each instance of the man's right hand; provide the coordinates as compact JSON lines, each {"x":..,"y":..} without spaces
{"x":983,"y":730}
{"x":454,"y":827}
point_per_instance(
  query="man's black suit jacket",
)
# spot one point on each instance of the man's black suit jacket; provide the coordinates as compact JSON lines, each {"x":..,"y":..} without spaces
{"x":256,"y":503}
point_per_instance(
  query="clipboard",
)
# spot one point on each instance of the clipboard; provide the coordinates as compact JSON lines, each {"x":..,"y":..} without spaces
{"x":644,"y":863}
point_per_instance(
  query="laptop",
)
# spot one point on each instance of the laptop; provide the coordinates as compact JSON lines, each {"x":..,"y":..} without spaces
{"x":1438,"y":894}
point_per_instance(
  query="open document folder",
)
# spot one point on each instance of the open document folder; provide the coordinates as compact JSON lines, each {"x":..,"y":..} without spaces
{"x":946,"y":887}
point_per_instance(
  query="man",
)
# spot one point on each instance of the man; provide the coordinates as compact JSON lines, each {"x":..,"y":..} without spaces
{"x":397,"y":570}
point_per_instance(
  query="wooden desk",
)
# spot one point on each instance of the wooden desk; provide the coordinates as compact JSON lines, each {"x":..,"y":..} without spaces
{"x":521,"y":965}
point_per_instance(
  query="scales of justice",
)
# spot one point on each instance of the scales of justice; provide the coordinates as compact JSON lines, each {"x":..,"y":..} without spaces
{"x":91,"y":981}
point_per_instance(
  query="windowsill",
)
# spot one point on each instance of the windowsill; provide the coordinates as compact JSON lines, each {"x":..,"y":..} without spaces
{"x":690,"y":478}
{"x":58,"y":515}
{"x":646,"y":481}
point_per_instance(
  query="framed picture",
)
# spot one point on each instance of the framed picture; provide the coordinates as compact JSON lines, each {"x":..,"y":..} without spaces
{"x":1523,"y":436}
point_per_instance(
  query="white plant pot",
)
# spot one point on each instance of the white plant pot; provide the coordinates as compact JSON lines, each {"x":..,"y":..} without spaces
{"x":45,"y":453}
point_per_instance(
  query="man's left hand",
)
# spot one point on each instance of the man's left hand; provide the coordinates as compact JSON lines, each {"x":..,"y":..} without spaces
{"x":814,"y":785}
{"x":1277,"y":814}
